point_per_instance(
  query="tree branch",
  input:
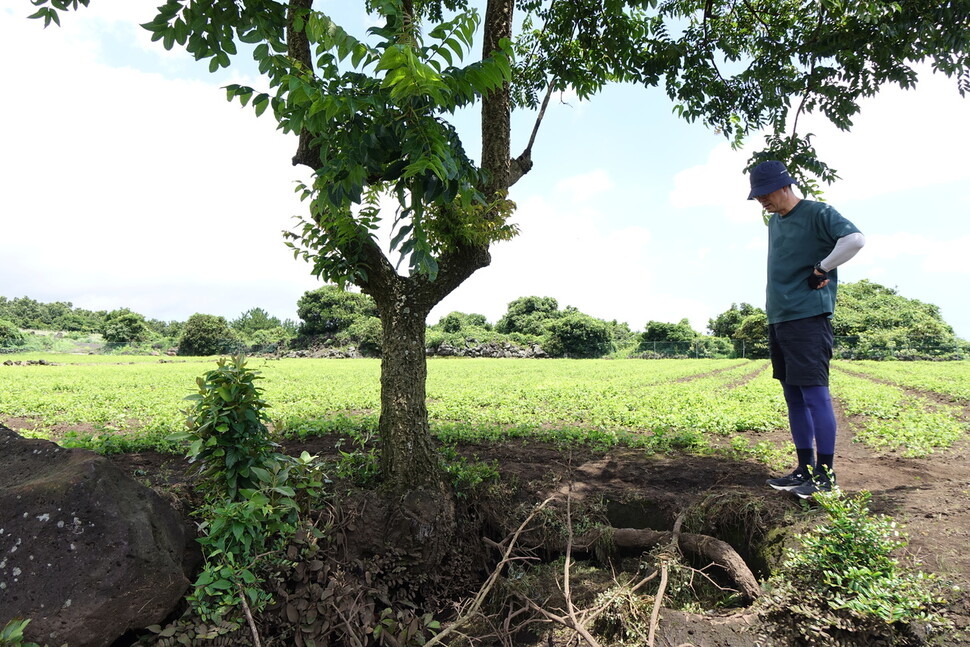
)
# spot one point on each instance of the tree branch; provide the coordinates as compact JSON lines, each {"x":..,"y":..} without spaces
{"x":523,"y":163}
{"x":298,"y":49}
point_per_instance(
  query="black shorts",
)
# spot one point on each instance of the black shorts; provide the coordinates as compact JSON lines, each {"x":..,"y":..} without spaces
{"x":800,"y":350}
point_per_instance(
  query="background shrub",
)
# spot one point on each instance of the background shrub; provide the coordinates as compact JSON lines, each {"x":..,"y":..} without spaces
{"x":125,"y":327}
{"x":11,"y":335}
{"x":578,"y":335}
{"x":206,"y":335}
{"x":331,"y":310}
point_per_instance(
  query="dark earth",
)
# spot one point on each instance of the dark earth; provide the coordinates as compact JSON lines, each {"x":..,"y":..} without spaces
{"x":929,"y":497}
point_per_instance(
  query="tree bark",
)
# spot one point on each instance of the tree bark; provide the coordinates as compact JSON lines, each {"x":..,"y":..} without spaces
{"x":496,"y":106}
{"x":408,"y":457}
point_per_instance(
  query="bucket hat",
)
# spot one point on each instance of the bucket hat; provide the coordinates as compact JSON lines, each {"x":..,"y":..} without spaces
{"x":767,"y":177}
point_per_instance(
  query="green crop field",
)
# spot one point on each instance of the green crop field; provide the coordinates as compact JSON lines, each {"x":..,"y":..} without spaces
{"x":113,"y":403}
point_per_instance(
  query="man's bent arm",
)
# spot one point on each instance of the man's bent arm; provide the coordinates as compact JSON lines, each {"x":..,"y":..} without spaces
{"x":845,"y":248}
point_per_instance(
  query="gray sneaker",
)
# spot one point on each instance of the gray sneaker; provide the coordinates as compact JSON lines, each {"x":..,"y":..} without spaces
{"x":824,"y":481}
{"x":789,"y":483}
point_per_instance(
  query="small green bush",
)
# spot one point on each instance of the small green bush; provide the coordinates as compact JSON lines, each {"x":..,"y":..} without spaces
{"x":125,"y":327}
{"x":228,"y":430}
{"x":368,"y":334}
{"x":255,"y":496}
{"x":12,"y":634}
{"x":330,"y":310}
{"x":578,"y":336}
{"x":844,"y":580}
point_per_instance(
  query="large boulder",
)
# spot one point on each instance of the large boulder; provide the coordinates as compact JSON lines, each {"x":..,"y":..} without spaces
{"x":86,"y":552}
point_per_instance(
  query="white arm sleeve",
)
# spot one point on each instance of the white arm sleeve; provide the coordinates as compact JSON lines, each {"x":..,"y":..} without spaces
{"x":845,"y":248}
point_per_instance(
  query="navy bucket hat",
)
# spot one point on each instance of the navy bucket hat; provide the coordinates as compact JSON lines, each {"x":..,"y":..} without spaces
{"x":767,"y":177}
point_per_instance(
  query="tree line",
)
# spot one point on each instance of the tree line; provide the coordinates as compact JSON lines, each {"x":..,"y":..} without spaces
{"x":871,"y":321}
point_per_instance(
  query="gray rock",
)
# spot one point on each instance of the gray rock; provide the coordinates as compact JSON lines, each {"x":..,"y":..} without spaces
{"x":86,"y":552}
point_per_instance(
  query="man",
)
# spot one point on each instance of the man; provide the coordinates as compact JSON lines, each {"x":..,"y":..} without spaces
{"x":807,"y":240}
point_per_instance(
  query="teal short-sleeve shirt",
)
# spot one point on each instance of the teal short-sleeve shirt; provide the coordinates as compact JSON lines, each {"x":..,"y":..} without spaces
{"x":796,"y":242}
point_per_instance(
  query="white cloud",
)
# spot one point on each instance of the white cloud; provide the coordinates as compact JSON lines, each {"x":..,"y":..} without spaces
{"x":569,"y":251}
{"x":180,"y":201}
{"x":902,"y":140}
{"x":719,"y":185}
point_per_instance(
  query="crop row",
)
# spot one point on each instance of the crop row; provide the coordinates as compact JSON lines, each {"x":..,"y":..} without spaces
{"x":946,"y":378}
{"x":656,"y":403}
{"x":658,"y":397}
{"x":894,"y":419}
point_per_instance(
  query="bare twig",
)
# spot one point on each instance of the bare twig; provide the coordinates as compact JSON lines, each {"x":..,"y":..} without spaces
{"x":249,"y":616}
{"x":542,"y":113}
{"x":479,"y":599}
{"x":567,"y":590}
{"x":565,"y":621}
{"x":592,"y":614}
{"x":657,"y":603}
{"x":672,"y":549}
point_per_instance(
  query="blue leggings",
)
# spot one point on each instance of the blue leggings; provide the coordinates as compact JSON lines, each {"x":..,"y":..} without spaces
{"x":811,"y":417}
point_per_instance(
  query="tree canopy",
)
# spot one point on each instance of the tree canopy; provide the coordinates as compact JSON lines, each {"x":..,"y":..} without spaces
{"x":872,"y":318}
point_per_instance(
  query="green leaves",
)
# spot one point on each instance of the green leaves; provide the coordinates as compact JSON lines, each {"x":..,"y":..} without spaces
{"x":844,"y":578}
{"x":254,"y":495}
{"x":12,"y":634}
{"x":49,"y":14}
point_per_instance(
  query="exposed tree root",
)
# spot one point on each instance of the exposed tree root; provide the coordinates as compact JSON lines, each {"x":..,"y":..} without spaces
{"x":717,"y":551}
{"x":579,"y":620}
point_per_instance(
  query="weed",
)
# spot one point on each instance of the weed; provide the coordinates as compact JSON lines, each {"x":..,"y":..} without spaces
{"x":844,"y":580}
{"x":12,"y":634}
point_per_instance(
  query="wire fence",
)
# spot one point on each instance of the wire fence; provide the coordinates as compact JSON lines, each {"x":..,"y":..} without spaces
{"x":704,"y":348}
{"x":843,"y":348}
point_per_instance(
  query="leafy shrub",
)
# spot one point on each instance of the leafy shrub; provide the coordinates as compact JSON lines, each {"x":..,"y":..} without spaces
{"x":726,"y":323}
{"x":11,"y":335}
{"x":578,"y":335}
{"x":844,"y":580}
{"x":529,"y":316}
{"x":752,"y":335}
{"x":254,"y":320}
{"x":458,"y":321}
{"x":331,"y":310}
{"x":269,"y":338}
{"x":227,"y":428}
{"x":125,"y":327}
{"x":12,"y":634}
{"x":254,"y":495}
{"x":368,"y":334}
{"x":206,"y":335}
{"x":663,"y":331}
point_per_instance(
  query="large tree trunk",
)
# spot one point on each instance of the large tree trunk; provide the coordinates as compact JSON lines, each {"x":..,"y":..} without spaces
{"x":423,"y":515}
{"x":408,"y":458}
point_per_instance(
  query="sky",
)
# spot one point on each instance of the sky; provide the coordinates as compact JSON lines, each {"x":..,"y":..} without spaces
{"x":128,"y":181}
